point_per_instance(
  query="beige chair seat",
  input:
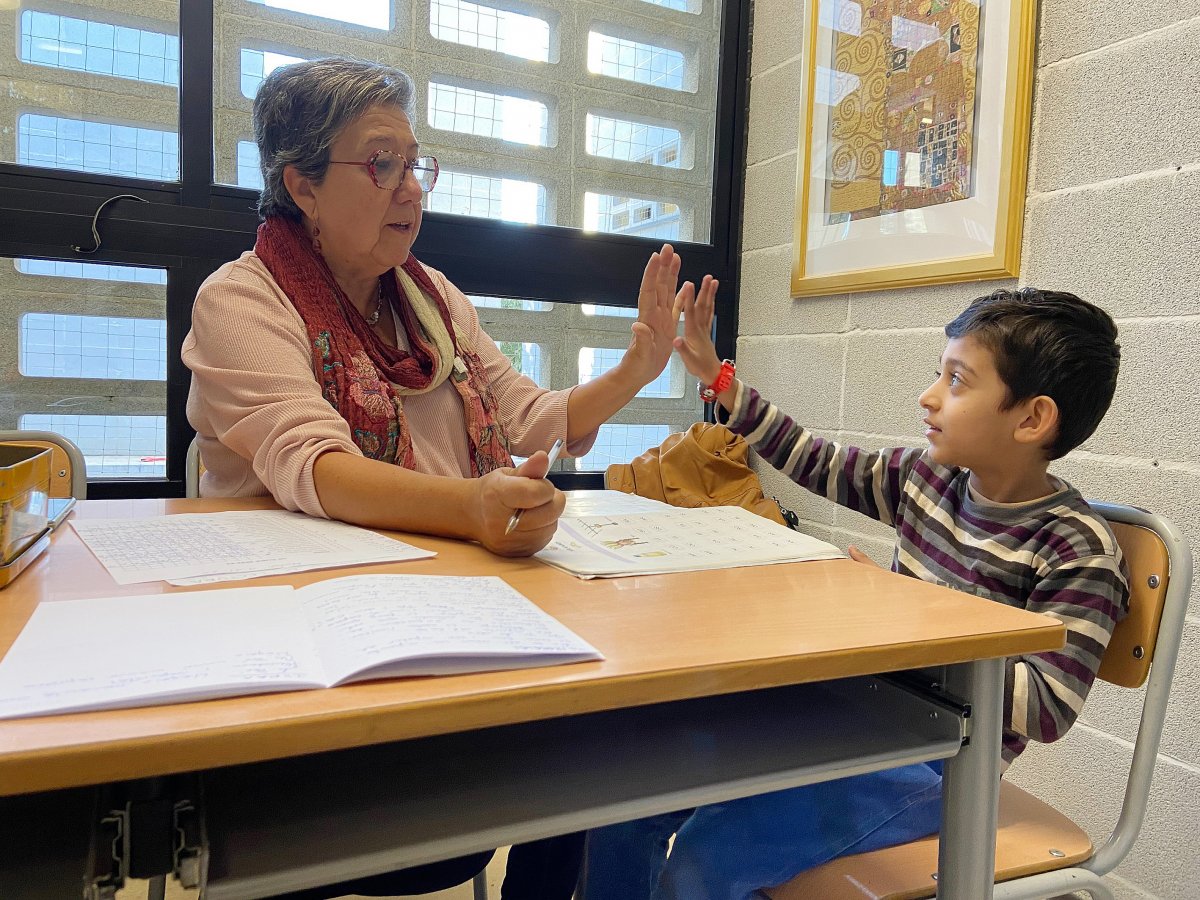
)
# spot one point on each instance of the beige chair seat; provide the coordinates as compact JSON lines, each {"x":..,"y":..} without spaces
{"x":1031,"y":837}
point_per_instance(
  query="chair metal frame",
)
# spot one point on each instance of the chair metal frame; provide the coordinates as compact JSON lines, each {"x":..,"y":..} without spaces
{"x":1088,"y":876}
{"x":68,"y":446}
{"x":191,"y":471}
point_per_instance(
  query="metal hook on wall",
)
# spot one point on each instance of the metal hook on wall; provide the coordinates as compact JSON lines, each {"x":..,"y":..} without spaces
{"x":96,"y":220}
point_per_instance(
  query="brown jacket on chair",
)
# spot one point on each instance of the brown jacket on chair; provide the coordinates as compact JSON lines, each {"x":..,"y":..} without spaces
{"x":703,"y":466}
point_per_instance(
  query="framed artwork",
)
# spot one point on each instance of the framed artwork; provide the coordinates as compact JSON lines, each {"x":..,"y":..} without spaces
{"x":914,"y":143}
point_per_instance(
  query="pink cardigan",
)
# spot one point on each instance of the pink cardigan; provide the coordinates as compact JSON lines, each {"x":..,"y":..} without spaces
{"x":261,"y":421}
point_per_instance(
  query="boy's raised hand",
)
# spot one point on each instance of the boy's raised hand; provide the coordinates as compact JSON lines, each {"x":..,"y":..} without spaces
{"x":695,"y":347}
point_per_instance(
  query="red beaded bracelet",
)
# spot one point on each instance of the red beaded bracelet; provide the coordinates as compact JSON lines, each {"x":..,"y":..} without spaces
{"x":724,"y":380}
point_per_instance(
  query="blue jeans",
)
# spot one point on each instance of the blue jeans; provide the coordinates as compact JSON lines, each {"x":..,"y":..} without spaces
{"x":727,"y":851}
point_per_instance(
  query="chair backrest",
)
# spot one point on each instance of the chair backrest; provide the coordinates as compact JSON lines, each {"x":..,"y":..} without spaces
{"x":1160,"y":568}
{"x":68,"y":471}
{"x":1127,"y":660}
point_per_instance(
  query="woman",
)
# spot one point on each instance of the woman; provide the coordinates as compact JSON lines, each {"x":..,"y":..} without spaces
{"x":333,"y":371}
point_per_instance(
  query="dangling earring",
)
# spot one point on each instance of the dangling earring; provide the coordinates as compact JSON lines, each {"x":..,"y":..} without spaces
{"x":316,"y":238}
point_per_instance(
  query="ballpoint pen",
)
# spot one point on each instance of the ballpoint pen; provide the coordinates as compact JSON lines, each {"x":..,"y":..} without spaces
{"x":516,"y":516}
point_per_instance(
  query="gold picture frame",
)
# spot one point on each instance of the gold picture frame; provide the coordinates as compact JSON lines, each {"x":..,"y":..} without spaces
{"x":914,"y":143}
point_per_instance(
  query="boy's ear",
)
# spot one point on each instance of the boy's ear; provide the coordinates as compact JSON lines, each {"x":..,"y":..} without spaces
{"x":301,"y":189}
{"x":1040,"y":423}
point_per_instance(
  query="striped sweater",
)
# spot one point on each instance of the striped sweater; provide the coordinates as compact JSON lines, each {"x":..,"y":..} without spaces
{"x":1053,"y":555}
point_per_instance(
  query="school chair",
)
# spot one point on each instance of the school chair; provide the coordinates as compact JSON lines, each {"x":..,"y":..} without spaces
{"x":1040,"y":852}
{"x":68,"y":471}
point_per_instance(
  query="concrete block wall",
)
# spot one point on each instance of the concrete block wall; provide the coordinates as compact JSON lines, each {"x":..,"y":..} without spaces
{"x":1113,"y":213}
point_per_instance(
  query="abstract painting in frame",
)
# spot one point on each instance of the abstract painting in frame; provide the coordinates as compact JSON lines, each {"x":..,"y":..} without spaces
{"x":914,"y":138}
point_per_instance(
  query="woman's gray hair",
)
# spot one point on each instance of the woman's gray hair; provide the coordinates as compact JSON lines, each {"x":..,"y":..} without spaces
{"x":301,"y":109}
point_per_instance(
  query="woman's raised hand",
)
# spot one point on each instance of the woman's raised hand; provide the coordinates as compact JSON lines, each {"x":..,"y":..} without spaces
{"x":659,"y":305}
{"x":502,"y":492}
{"x":695,"y":347}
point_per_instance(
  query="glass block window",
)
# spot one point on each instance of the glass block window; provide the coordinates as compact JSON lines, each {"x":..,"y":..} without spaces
{"x":258,"y":64}
{"x":526,"y":359}
{"x":595,"y":361}
{"x":595,"y":309}
{"x":509,"y":303}
{"x":566,"y":335}
{"x":622,"y":139}
{"x":58,"y":268}
{"x":88,"y":45}
{"x":88,"y":359}
{"x":60,"y":346}
{"x":620,"y":444}
{"x":633,"y":215}
{"x":469,"y":111}
{"x":249,"y":173}
{"x":635,"y":61}
{"x":492,"y":29}
{"x":509,"y":199}
{"x":503,"y":85}
{"x":372,"y":13}
{"x":57,"y":142}
{"x":113,"y":446}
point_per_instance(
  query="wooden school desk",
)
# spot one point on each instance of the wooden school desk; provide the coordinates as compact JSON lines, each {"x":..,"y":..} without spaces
{"x":716,"y":685}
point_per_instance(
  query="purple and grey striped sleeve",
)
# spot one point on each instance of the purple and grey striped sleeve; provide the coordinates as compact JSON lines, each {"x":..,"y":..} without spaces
{"x":868,"y":482}
{"x":1045,"y":691}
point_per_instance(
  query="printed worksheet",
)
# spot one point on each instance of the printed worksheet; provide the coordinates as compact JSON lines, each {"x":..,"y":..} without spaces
{"x":196,"y":548}
{"x":678,"y":540}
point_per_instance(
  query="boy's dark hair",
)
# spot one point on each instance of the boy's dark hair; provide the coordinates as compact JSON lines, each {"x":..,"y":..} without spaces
{"x":1052,"y":343}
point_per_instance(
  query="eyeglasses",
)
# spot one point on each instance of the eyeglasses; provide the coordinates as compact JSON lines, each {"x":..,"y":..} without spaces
{"x":388,"y":169}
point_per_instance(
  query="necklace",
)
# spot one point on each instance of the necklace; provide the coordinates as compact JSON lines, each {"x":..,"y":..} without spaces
{"x":373,"y":318}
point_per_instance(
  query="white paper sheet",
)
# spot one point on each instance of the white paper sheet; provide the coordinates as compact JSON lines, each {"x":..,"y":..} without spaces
{"x":196,"y":548}
{"x":609,"y":503}
{"x":363,"y":621}
{"x":162,"y":648}
{"x":679,"y":540}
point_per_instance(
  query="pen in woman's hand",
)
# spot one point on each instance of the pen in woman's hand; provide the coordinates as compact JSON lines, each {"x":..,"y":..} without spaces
{"x":516,"y":516}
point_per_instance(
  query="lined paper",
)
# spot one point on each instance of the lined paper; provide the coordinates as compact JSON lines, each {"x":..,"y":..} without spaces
{"x":197,"y":548}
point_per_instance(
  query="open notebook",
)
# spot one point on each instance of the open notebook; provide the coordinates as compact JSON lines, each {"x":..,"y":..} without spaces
{"x":610,"y":545}
{"x":115,"y":652}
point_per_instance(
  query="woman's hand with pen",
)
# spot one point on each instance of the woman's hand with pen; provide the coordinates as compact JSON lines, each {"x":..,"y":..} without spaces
{"x":504,"y":492}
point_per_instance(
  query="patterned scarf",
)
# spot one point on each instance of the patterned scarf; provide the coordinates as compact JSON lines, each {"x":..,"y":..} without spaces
{"x":365,"y":379}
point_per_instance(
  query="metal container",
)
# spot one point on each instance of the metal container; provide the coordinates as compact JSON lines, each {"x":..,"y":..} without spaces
{"x":24,"y":490}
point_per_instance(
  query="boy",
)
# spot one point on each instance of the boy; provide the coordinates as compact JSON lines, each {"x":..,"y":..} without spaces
{"x":1026,"y":376}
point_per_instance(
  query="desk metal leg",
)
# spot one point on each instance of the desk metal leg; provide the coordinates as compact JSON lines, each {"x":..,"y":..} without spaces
{"x":967,"y":851}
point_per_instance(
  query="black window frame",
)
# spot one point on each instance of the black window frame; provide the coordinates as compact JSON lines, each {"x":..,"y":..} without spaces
{"x":193,"y":226}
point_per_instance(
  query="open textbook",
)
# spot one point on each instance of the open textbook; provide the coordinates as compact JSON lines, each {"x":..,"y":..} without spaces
{"x":116,"y":652}
{"x":676,"y":540}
